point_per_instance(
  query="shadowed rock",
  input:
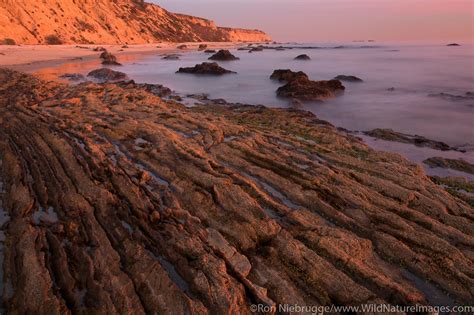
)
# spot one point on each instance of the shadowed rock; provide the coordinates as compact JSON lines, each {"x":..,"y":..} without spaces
{"x":419,"y":141}
{"x":109,"y":59}
{"x":287,"y":75}
{"x":114,"y":200}
{"x":453,"y":45}
{"x":202,"y":47}
{"x":348,"y":78}
{"x":304,"y":89}
{"x":210,"y":51}
{"x":107,"y":75}
{"x":458,"y":165}
{"x":302,"y":57}
{"x":182,"y":47}
{"x":171,"y":57}
{"x":255,"y":49}
{"x":205,"y":68}
{"x":223,"y":55}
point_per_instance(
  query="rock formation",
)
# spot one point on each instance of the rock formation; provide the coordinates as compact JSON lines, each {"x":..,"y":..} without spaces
{"x":348,"y":78}
{"x":419,"y":141}
{"x":286,"y":75}
{"x":302,"y":57}
{"x":107,"y":75}
{"x":223,"y":55}
{"x":107,"y":22}
{"x":301,"y":88}
{"x":116,"y":201}
{"x":109,"y":59}
{"x":459,"y":165}
{"x":205,"y":68}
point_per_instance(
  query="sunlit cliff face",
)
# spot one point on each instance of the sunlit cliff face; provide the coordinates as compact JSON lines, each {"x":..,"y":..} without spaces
{"x":336,"y":20}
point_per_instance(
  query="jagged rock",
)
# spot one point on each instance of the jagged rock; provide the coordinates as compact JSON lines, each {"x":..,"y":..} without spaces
{"x":348,"y":78}
{"x":109,"y":59}
{"x":286,"y":75}
{"x":302,"y":57}
{"x":419,"y":141}
{"x":223,"y":55}
{"x":458,"y":165}
{"x":94,"y":225}
{"x":107,"y":75}
{"x":302,"y":88}
{"x":72,"y":76}
{"x":205,"y":68}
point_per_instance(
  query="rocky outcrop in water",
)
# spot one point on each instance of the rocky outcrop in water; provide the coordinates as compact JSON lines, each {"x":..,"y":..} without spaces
{"x":109,"y":59}
{"x":107,"y":75}
{"x":453,"y":45}
{"x":348,"y":78}
{"x":108,"y":22}
{"x":223,"y":55}
{"x":302,"y":57}
{"x":308,"y":90}
{"x":458,"y":165}
{"x":419,"y":141}
{"x":286,"y":75}
{"x":211,"y":68}
{"x":116,"y":201}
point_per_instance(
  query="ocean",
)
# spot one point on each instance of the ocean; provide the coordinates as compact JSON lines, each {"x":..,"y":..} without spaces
{"x":401,"y":90}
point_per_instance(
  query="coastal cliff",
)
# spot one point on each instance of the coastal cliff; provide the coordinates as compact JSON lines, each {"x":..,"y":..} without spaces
{"x":107,"y":22}
{"x":114,"y":200}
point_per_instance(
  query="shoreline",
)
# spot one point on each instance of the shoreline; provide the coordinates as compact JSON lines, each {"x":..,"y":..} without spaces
{"x":29,"y":57}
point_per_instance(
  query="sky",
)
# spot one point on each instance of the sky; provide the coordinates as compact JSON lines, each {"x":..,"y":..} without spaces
{"x":340,"y":20}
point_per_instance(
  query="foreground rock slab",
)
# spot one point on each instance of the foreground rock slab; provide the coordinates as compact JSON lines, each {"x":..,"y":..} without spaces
{"x":116,"y":201}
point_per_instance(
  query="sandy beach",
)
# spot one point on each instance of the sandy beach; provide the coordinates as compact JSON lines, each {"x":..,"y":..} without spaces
{"x":30,"y":57}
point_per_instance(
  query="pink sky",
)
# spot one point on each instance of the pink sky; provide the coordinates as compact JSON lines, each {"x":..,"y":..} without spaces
{"x":341,"y":20}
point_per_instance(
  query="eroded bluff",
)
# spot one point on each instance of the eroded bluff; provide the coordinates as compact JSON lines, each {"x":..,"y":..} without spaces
{"x":116,"y":201}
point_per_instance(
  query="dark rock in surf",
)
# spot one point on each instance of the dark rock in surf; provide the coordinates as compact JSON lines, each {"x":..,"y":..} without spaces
{"x":304,"y":89}
{"x":286,"y":75}
{"x":302,"y":57}
{"x":419,"y":141}
{"x":211,"y":68}
{"x":453,"y":45}
{"x":348,"y":78}
{"x":107,"y":75}
{"x":109,"y":59}
{"x":223,"y":55}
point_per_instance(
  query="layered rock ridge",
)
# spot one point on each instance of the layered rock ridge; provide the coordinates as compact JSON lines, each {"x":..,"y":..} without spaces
{"x":116,"y":201}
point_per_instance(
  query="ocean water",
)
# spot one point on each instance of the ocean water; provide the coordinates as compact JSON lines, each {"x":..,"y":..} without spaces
{"x":415,"y":72}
